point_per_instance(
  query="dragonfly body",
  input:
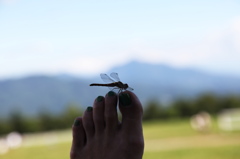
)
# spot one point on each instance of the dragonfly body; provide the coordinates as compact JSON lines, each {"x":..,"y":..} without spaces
{"x":114,"y":85}
{"x":119,"y":84}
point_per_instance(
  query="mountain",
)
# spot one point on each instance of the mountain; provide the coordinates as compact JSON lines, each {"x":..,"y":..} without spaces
{"x":162,"y":81}
{"x":53,"y":93}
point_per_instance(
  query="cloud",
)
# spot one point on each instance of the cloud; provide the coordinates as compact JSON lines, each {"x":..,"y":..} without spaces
{"x":223,"y":46}
{"x":218,"y":50}
{"x":236,"y":33}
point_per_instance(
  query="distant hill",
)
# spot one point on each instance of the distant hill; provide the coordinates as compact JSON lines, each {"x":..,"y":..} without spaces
{"x":53,"y":93}
{"x":162,"y":81}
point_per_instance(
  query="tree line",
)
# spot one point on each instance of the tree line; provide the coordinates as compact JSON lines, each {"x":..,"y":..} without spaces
{"x":153,"y":110}
{"x":183,"y":108}
{"x":44,"y":121}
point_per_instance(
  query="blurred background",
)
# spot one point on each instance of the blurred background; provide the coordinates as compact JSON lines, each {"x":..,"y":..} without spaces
{"x":181,"y":57}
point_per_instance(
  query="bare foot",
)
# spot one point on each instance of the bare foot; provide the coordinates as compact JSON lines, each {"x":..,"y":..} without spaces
{"x":100,"y":135}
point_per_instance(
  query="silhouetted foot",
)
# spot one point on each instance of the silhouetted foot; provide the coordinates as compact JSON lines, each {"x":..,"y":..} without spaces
{"x":100,"y":135}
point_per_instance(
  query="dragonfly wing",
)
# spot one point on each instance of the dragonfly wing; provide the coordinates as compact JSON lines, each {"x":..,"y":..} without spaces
{"x":106,"y":78}
{"x":130,"y":89}
{"x":114,"y":75}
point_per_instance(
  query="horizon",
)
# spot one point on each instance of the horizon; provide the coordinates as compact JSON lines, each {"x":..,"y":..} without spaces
{"x":87,"y":38}
{"x":36,"y":74}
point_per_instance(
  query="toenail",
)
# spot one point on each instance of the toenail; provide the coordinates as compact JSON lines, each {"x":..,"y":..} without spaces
{"x":99,"y":98}
{"x":89,"y":109}
{"x":76,"y":123}
{"x":125,"y":99}
{"x":111,"y":93}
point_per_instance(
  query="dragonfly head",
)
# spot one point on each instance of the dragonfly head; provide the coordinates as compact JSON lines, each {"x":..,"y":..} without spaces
{"x":125,"y":86}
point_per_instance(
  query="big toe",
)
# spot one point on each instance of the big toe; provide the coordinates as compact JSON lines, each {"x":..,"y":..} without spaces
{"x":131,"y":128}
{"x":131,"y":110}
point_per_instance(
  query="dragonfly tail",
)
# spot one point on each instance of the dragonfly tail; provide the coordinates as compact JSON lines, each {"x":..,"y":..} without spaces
{"x":94,"y":84}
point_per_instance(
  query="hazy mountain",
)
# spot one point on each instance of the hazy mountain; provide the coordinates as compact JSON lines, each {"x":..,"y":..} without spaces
{"x":162,"y":81}
{"x":53,"y":93}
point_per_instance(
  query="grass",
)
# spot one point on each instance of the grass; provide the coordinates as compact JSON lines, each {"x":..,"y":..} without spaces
{"x":219,"y":152}
{"x":170,"y":139}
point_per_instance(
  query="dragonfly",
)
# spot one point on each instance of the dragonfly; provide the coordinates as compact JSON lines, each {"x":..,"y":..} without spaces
{"x":113,"y":82}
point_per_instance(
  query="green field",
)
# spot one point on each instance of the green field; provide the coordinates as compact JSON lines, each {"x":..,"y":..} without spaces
{"x":171,"y":139}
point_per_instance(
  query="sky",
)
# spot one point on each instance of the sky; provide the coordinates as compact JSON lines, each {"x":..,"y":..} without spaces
{"x":89,"y":37}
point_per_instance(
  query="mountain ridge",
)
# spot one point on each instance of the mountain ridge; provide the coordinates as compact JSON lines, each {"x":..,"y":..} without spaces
{"x":31,"y":94}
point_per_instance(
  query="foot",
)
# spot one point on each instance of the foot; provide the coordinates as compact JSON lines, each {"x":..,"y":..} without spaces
{"x":100,"y":135}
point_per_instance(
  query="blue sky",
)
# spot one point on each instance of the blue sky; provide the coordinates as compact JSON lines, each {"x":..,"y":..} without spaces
{"x":89,"y":37}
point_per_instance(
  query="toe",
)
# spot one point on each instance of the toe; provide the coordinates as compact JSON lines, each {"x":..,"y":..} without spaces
{"x":131,"y":110}
{"x":110,"y":114}
{"x":88,"y":123}
{"x":98,"y":114}
{"x":79,"y":137}
{"x":131,"y":128}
